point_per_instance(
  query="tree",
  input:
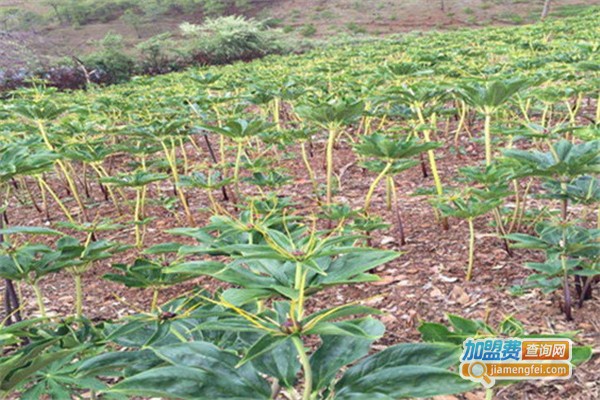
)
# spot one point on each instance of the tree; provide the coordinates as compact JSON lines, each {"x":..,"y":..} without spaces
{"x":546,"y":9}
{"x":133,"y":19}
{"x":56,"y":6}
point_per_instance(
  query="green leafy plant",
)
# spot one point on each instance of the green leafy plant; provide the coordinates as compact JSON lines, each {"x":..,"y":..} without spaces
{"x":19,"y":159}
{"x":332,"y":116}
{"x":392,"y":156}
{"x":422,"y":101}
{"x":46,"y":363}
{"x":149,"y":272}
{"x":487,"y":98}
{"x":563,"y":163}
{"x":570,"y":250}
{"x":28,"y":263}
{"x":288,"y":262}
{"x":240,"y":131}
{"x":468,"y":205}
{"x":77,"y":257}
{"x":139,"y":181}
{"x":564,"y":168}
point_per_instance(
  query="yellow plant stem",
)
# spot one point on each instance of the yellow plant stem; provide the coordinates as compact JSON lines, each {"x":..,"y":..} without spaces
{"x":311,"y":172}
{"x":431,"y":154}
{"x":432,"y":161}
{"x":222,"y":153}
{"x":488,"y":137}
{"x":44,"y":199}
{"x":305,"y":362}
{"x":382,"y":123}
{"x":106,"y":174}
{"x":388,"y":192}
{"x":64,"y":170}
{"x":57,"y":199}
{"x":73,"y":188}
{"x":213,"y":202}
{"x":598,"y":109}
{"x":461,"y":122}
{"x":544,"y":115}
{"x":524,"y":108}
{"x":333,"y":133}
{"x":276,"y":117}
{"x":236,"y":167}
{"x":573,"y":112}
{"x":171,"y":159}
{"x":39,"y":298}
{"x":299,"y":283}
{"x":523,"y":210}
{"x":185,"y":157}
{"x":137,"y":218}
{"x":368,"y":121}
{"x":78,"y":295}
{"x":381,"y":175}
{"x":471,"y":248}
{"x":154,"y":305}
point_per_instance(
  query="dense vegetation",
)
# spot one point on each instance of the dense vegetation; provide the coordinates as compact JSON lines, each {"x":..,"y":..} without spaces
{"x":220,"y":151}
{"x":217,"y":41}
{"x":82,"y":12}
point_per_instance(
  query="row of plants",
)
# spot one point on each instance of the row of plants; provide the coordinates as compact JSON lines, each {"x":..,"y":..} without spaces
{"x":228,"y":145}
{"x":248,"y":341}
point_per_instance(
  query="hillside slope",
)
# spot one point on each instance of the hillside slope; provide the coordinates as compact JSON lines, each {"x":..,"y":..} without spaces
{"x":47,"y":36}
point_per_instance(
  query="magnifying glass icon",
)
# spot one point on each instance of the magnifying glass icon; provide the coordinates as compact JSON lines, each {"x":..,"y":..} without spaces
{"x":478,"y":370}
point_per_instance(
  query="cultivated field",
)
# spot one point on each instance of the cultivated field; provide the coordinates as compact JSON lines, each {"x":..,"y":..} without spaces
{"x":250,"y":231}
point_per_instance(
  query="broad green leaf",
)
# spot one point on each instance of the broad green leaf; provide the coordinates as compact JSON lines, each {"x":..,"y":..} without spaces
{"x":336,"y":352}
{"x":432,"y":332}
{"x":263,"y":345}
{"x":219,"y":364}
{"x":406,"y":354}
{"x":281,"y":363}
{"x":29,"y":230}
{"x":239,"y":297}
{"x":467,"y":326}
{"x":401,"y":382}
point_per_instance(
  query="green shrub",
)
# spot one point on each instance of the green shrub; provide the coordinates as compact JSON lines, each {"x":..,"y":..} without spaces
{"x":214,"y":8}
{"x":18,"y":19}
{"x":159,"y":54}
{"x":355,"y":28}
{"x":272,"y":22}
{"x":242,"y":5}
{"x":227,"y":39}
{"x":110,"y":64}
{"x":510,"y":17}
{"x":308,"y":30}
{"x":153,"y":9}
{"x":81,"y":12}
{"x":572,"y":10}
{"x":133,"y":19}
